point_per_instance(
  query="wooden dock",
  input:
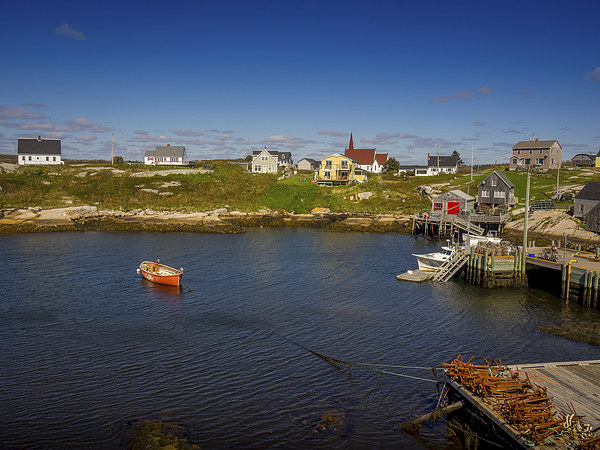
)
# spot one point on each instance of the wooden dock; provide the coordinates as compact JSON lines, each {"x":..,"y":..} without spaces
{"x":416,"y":276}
{"x":571,"y":386}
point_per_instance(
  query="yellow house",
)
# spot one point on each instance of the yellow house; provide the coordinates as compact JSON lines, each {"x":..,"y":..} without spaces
{"x":337,"y":169}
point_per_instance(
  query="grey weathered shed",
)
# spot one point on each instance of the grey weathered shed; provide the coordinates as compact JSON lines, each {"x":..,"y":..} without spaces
{"x":496,"y":190}
{"x":452,"y":202}
{"x":586,"y":199}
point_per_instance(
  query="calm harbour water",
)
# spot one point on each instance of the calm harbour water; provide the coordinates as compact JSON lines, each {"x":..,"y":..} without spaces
{"x":89,"y":348}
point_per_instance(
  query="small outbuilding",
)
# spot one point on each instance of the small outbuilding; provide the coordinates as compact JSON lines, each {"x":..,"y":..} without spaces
{"x":308,"y":164}
{"x":583,"y":160}
{"x":586,"y":199}
{"x":452,"y":202}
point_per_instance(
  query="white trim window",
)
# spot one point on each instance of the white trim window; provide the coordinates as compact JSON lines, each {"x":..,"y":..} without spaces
{"x":499,"y":194}
{"x":485,"y":193}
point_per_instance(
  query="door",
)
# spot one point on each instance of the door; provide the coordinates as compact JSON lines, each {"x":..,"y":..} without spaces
{"x":453,"y":207}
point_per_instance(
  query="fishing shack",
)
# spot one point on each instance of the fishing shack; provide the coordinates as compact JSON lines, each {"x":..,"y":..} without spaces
{"x":453,"y":202}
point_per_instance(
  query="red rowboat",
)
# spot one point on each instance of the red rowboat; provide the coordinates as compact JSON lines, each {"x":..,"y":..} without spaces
{"x":159,"y":273}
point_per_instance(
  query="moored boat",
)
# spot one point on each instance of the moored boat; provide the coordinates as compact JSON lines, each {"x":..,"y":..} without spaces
{"x":430,"y":262}
{"x":159,"y":273}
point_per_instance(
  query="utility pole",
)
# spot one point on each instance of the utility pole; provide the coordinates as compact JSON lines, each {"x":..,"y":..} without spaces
{"x":438,"y":163}
{"x":526,"y":219}
{"x":472,"y":162}
{"x":557,"y":181}
{"x":112,"y":148}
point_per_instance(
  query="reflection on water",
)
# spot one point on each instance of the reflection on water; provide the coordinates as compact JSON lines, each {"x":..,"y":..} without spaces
{"x":87,"y":353}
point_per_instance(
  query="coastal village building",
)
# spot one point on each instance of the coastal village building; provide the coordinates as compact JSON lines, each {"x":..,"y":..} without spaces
{"x":496,"y":190}
{"x":39,"y":151}
{"x":282,"y":158}
{"x":308,"y":164}
{"x":337,"y":170}
{"x":166,"y":155}
{"x":367,"y":158}
{"x":542,"y":155}
{"x":584,"y":160}
{"x":586,"y":199}
{"x":422,"y":170}
{"x":265,"y":162}
{"x":445,"y":164}
{"x":452,"y":202}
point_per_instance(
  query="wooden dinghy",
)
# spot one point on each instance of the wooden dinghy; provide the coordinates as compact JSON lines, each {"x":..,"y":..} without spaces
{"x":159,"y":273}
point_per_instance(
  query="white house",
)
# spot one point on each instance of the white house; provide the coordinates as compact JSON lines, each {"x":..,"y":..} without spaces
{"x":39,"y":151}
{"x":265,"y":162}
{"x":166,"y":155}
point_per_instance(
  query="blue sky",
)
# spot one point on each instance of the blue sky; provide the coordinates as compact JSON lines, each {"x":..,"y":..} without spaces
{"x":403,"y":77}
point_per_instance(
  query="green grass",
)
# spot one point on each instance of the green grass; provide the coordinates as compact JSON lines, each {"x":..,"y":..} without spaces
{"x":233,"y":187}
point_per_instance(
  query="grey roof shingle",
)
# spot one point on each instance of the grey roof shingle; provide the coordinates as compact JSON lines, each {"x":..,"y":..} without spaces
{"x":534,"y":144}
{"x":504,"y":178}
{"x":34,"y":146}
{"x":445,"y":161}
{"x":167,"y":150}
{"x":590,"y":191}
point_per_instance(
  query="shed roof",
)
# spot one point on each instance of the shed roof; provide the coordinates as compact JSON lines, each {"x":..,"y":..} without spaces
{"x":503,"y":177}
{"x":455,"y":192}
{"x":310,"y":160}
{"x":445,"y":161}
{"x":37,"y":146}
{"x":590,"y":191}
{"x":167,"y":150}
{"x":534,"y":144}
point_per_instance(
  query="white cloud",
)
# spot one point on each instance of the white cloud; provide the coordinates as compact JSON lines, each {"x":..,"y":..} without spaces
{"x":7,"y":112}
{"x":66,"y":30}
{"x":333,"y":133}
{"x":483,"y":91}
{"x":594,"y":74}
{"x":85,"y":138}
{"x":186,"y":132}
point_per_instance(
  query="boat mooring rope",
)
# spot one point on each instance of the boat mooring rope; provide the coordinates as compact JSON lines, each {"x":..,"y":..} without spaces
{"x":372,"y":366}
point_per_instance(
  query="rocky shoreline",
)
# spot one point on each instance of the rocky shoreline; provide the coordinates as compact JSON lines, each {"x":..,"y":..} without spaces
{"x":544,"y":226}
{"x":89,"y":218}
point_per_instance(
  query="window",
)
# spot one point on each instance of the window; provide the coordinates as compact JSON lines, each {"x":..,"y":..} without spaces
{"x":528,"y":161}
{"x":257,"y":168}
{"x":499,"y":194}
{"x":54,"y":158}
{"x":344,"y":164}
{"x":327,"y":174}
{"x":539,"y":161}
{"x":47,"y":158}
{"x":30,"y":158}
{"x":493,"y":181}
{"x":265,"y":158}
{"x":328,"y":164}
{"x":485,"y":193}
{"x":438,"y":206}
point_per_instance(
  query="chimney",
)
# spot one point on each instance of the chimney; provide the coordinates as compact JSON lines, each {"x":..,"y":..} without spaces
{"x":168,"y":145}
{"x":39,"y":137}
{"x":537,"y":139}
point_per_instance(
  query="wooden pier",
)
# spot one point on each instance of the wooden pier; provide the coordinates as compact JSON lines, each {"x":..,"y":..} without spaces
{"x":574,"y":389}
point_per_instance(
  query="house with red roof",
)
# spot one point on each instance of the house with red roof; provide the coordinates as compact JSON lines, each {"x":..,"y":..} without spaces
{"x":367,"y":158}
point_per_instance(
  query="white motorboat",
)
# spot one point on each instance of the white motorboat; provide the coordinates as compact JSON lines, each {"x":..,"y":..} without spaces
{"x":431,"y":262}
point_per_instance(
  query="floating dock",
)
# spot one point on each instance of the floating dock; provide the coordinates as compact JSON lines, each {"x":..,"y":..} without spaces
{"x":416,"y":276}
{"x":571,"y":388}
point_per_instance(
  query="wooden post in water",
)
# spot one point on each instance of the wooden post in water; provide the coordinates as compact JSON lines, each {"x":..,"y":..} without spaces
{"x":563,"y":276}
{"x":595,"y":288}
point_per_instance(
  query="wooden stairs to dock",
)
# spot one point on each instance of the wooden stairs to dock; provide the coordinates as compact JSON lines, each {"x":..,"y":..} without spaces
{"x":451,"y":267}
{"x":468,"y":227}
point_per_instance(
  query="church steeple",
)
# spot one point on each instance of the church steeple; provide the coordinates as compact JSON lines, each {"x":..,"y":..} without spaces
{"x":351,"y":145}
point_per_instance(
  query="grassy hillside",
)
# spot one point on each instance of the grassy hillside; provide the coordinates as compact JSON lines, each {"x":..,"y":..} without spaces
{"x":231,"y":186}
